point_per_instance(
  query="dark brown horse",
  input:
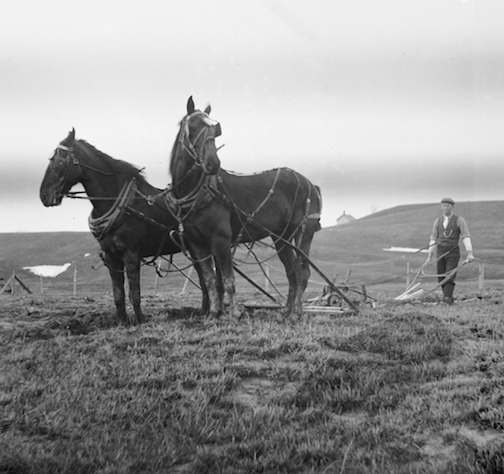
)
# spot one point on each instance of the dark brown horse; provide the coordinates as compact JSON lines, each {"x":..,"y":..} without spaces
{"x":228,"y":209}
{"x":130,"y":218}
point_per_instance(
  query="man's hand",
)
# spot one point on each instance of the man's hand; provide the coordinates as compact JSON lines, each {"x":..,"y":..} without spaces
{"x":470,"y":256}
{"x":429,"y":259}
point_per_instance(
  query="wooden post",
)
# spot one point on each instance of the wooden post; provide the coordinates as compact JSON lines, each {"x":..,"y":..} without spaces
{"x":267,"y":279}
{"x":9,"y":283}
{"x":348,"y":273}
{"x":481,"y":276}
{"x":75,"y":280}
{"x":41,"y":285}
{"x":12,"y":282}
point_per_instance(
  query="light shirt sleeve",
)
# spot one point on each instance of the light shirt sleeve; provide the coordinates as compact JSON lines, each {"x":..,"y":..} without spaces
{"x":467,"y":244}
{"x":433,"y":237}
{"x":464,"y":230}
{"x":464,"y":234}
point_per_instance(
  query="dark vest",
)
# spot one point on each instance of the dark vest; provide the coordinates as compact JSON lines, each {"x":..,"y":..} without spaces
{"x":450,"y":236}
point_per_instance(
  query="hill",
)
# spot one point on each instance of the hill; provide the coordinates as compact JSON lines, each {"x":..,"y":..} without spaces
{"x":359,"y":245}
{"x":356,"y":247}
{"x":410,"y":226}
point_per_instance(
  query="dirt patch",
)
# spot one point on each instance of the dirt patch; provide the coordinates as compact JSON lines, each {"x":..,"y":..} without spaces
{"x":257,"y":392}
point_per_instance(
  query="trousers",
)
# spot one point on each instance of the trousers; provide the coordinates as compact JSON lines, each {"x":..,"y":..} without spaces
{"x":448,"y":259}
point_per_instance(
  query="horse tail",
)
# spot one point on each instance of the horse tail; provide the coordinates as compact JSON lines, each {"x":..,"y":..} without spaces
{"x":315,"y":210}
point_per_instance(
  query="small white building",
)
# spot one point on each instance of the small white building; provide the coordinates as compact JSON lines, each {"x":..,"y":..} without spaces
{"x":345,"y":219}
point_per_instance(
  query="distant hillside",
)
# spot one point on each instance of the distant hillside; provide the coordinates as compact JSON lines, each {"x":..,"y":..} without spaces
{"x":410,"y":226}
{"x":363,"y":241}
{"x":356,"y":247}
{"x":44,"y":248}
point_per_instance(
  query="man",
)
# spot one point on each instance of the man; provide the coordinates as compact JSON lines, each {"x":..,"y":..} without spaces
{"x":446,"y":232}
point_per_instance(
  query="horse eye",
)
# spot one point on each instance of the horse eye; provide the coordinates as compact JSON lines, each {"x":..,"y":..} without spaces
{"x":59,"y":161}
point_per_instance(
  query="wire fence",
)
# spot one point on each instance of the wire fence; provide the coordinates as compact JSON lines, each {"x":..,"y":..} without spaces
{"x":176,"y":275}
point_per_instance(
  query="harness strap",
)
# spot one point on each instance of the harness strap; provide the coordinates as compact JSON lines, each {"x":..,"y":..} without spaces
{"x":251,"y":216}
{"x":99,"y":226}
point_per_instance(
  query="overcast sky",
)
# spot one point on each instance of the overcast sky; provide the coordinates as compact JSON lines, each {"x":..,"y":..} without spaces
{"x":381,"y":103}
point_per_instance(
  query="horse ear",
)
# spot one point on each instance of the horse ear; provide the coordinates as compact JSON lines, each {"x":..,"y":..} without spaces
{"x":68,"y":141}
{"x":208,"y":109}
{"x":190,"y":106}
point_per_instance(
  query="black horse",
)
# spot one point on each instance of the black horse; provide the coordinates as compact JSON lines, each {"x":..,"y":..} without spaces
{"x":223,"y":209}
{"x":130,"y":219}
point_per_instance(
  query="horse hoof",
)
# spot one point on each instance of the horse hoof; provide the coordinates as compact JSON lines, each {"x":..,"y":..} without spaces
{"x":290,"y":315}
{"x":237,"y":312}
{"x":214,"y":315}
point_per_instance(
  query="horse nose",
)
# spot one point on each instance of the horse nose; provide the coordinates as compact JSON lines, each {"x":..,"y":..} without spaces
{"x":212,"y":165}
{"x":44,"y":199}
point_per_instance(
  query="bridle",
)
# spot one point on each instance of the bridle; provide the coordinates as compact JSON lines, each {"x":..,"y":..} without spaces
{"x":210,"y":131}
{"x":70,"y":160}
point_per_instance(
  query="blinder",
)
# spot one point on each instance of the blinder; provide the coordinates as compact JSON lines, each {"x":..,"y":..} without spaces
{"x":211,"y":129}
{"x":216,"y":126}
{"x":62,"y":164}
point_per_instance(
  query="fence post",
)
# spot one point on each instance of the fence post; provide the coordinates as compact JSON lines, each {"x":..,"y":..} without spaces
{"x":75,"y":280}
{"x":481,"y":275}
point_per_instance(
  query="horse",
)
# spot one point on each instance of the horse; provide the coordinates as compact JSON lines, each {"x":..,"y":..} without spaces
{"x":223,"y":209}
{"x":130,"y":218}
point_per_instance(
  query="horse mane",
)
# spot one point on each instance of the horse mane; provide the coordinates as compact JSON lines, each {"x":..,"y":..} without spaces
{"x":174,"y":147}
{"x":118,"y":167}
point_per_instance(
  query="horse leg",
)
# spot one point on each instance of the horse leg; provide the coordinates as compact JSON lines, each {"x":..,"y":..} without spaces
{"x":205,"y":302}
{"x":219,"y":285}
{"x":132,"y":262}
{"x":287,"y":257}
{"x":303,"y":242}
{"x":225,"y":276}
{"x":116,"y":269}
{"x":211,"y":305}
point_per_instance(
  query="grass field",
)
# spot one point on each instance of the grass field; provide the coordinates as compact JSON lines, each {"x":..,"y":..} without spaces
{"x":410,"y":388}
{"x":396,"y":389}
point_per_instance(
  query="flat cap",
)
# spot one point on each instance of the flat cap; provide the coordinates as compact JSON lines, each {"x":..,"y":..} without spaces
{"x":448,"y":200}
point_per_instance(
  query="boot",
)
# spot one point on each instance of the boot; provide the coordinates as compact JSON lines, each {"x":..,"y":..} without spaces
{"x":448,"y":288}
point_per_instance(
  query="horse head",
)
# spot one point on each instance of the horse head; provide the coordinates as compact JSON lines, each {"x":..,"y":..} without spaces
{"x":197,"y":137}
{"x":62,"y":173}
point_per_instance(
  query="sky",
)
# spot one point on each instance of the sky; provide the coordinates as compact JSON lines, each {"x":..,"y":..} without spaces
{"x":379,"y":103}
